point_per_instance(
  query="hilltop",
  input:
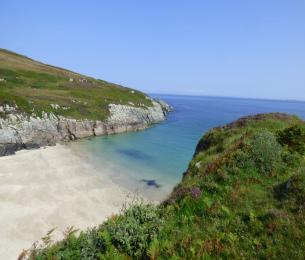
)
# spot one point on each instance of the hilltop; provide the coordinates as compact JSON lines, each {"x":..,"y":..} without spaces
{"x":242,"y":197}
{"x":42,"y":104}
{"x":33,"y":86}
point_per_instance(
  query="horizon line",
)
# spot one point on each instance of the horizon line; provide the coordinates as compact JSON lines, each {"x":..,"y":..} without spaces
{"x":228,"y":97}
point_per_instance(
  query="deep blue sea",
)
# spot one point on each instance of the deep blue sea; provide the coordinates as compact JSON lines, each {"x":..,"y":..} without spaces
{"x":151,"y":162}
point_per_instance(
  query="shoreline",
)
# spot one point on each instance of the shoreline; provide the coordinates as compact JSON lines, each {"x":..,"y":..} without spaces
{"x":52,"y":187}
{"x":145,"y":185}
{"x":20,"y":131}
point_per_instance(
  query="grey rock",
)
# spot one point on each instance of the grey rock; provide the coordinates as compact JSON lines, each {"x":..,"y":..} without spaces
{"x":20,"y":131}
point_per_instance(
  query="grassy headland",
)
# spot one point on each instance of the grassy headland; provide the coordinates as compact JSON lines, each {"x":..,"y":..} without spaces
{"x":242,"y":197}
{"x":35,"y":87}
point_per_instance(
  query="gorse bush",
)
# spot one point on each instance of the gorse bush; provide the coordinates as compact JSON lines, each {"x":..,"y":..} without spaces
{"x":243,"y":160}
{"x":212,"y":138}
{"x":123,"y":236}
{"x":292,"y":191}
{"x":291,"y":158}
{"x":265,"y":151}
{"x":294,"y":138}
{"x":86,"y":245}
{"x":133,"y":231}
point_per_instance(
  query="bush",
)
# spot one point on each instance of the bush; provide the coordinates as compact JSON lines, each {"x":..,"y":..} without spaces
{"x":292,"y":191}
{"x":133,"y":231}
{"x":243,"y":160}
{"x":215,"y":138}
{"x":265,"y":151}
{"x":294,"y":138}
{"x":85,"y":246}
{"x":128,"y":234}
{"x":291,"y":159}
{"x":181,"y":192}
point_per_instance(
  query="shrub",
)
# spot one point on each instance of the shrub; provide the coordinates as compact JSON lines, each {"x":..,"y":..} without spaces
{"x":86,"y":245}
{"x":292,"y":191}
{"x":215,"y":138}
{"x":265,"y":151}
{"x":130,"y":233}
{"x":133,"y":231}
{"x":181,"y":192}
{"x":294,"y":138}
{"x":291,"y":159}
{"x":243,"y":160}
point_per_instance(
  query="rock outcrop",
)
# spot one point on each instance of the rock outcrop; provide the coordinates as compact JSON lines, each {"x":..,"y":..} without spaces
{"x":21,"y":131}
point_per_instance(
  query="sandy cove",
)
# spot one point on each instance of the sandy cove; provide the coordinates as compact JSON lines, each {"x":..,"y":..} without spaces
{"x":51,"y":187}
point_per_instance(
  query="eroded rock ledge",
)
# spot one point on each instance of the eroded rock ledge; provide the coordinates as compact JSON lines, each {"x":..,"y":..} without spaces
{"x":20,"y":131}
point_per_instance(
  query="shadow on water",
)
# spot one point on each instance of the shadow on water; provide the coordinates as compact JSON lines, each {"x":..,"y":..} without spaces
{"x":136,"y":154}
{"x":151,"y":183}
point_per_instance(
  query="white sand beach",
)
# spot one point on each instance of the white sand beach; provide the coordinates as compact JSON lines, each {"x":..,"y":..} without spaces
{"x":47,"y":188}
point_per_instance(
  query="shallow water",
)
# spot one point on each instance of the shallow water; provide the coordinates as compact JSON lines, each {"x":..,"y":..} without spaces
{"x":151,"y":162}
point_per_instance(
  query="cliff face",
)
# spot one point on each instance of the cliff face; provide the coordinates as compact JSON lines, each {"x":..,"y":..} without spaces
{"x":21,"y":131}
{"x":42,"y":105}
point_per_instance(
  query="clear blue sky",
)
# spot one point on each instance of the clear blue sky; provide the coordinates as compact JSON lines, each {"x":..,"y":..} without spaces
{"x":224,"y":48}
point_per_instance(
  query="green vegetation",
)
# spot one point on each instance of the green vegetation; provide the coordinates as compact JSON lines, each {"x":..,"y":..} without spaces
{"x":132,"y":232}
{"x":294,"y":138}
{"x":242,"y":197}
{"x":34,"y":86}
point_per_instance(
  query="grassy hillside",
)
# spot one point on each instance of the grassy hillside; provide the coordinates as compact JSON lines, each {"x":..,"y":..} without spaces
{"x":242,"y":197}
{"x":34,"y":86}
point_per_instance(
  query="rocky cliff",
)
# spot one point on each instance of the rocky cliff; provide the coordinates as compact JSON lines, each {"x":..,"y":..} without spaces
{"x":21,"y":131}
{"x":42,"y":104}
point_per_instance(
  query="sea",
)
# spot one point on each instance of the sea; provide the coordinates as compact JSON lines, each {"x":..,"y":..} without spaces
{"x":151,"y":162}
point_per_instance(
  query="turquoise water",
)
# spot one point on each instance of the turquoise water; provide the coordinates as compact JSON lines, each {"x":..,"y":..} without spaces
{"x":151,"y":162}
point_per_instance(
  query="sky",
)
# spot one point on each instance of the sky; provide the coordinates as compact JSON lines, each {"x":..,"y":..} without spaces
{"x":230,"y":48}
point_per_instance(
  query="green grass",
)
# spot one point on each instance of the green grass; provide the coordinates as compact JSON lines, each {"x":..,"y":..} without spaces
{"x":34,"y":86}
{"x":242,"y":197}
